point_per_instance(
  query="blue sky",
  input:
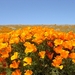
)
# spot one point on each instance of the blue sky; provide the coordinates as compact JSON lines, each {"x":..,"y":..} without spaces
{"x":37,"y":12}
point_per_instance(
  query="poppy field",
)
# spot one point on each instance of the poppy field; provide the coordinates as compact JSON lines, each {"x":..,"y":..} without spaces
{"x":37,"y":50}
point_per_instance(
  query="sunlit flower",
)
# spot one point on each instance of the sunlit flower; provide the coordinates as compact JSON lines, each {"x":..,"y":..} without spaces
{"x":72,"y":55}
{"x":8,"y":48}
{"x":1,"y":40}
{"x":69,"y":35}
{"x":3,"y":45}
{"x":46,"y":34}
{"x":16,"y":72}
{"x":38,"y":38}
{"x":5,"y":54}
{"x":58,"y":42}
{"x":57,"y":61}
{"x":28,"y":72}
{"x":14,"y":40}
{"x":29,"y":47}
{"x":21,"y":51}
{"x":15,"y":56}
{"x":61,"y":35}
{"x":42,"y":54}
{"x":27,"y":61}
{"x":15,"y":64}
{"x":67,"y":44}
{"x":58,"y":49}
{"x":64,"y":54}
{"x":73,"y":42}
{"x":1,"y":59}
{"x":50,"y":44}
{"x":73,"y":60}
{"x":60,"y":67}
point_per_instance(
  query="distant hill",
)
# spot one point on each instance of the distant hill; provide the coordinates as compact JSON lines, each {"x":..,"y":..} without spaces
{"x":64,"y":28}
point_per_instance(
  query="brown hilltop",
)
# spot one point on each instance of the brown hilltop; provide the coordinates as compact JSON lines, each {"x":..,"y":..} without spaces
{"x":64,"y":28}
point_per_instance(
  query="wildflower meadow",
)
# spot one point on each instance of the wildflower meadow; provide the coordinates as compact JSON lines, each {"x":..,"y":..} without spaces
{"x":37,"y":50}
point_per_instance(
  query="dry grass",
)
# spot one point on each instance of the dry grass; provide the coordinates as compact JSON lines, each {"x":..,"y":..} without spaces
{"x":64,"y":28}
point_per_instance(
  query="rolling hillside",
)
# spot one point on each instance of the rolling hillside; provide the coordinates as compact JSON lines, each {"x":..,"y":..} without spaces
{"x":64,"y":28}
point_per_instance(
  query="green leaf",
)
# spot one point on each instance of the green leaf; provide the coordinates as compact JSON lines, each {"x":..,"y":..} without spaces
{"x":8,"y":71}
{"x":55,"y":71}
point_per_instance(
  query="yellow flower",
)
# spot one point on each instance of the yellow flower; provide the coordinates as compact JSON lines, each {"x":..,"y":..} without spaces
{"x":73,"y":60}
{"x":73,"y":42}
{"x":61,"y":67}
{"x":42,"y":54}
{"x":15,"y":56}
{"x":14,"y":40}
{"x":28,"y":72}
{"x":15,"y":33}
{"x":46,"y":34}
{"x":29,"y":47}
{"x":58,"y":42}
{"x":3,"y":45}
{"x":27,"y":60}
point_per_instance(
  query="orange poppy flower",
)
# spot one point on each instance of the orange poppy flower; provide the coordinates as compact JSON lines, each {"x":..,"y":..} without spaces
{"x":15,"y":33}
{"x":72,"y":55}
{"x":3,"y":73}
{"x":16,"y":72}
{"x":73,"y":42}
{"x":27,"y":61}
{"x":64,"y":54}
{"x":30,"y":47}
{"x":28,"y":36}
{"x":58,"y":49}
{"x":61,"y":35}
{"x":49,"y":54}
{"x":8,"y":48}
{"x":73,"y":60}
{"x":58,"y":42}
{"x":1,"y":59}
{"x":46,"y":34}
{"x":42,"y":54}
{"x":28,"y":72}
{"x":15,"y":64}
{"x":69,"y":35}
{"x":14,"y":40}
{"x":67,"y":44}
{"x":49,"y":44}
{"x":57,"y":61}
{"x":27,"y":44}
{"x":5,"y":54}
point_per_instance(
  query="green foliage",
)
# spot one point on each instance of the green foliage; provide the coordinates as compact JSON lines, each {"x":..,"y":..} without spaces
{"x":19,"y":48}
{"x":69,"y":67}
{"x":39,"y":66}
{"x":8,"y":71}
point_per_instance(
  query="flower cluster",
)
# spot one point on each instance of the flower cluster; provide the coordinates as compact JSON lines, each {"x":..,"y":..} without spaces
{"x":37,"y":50}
